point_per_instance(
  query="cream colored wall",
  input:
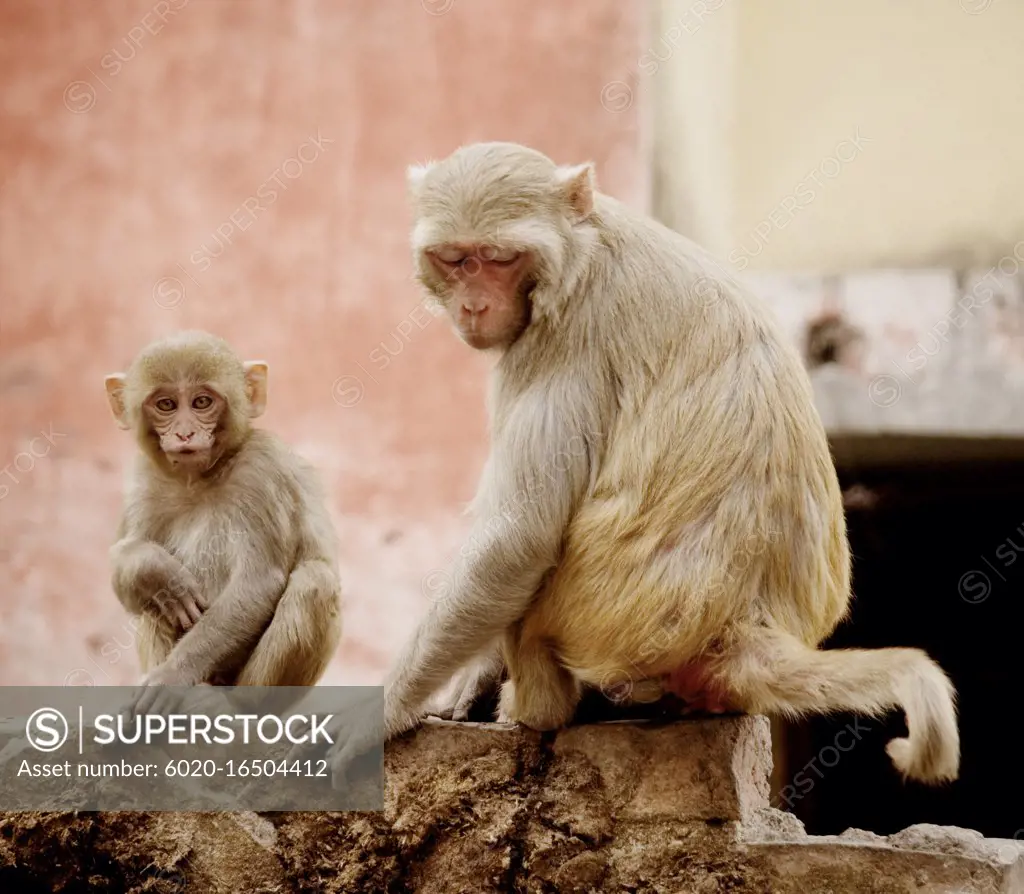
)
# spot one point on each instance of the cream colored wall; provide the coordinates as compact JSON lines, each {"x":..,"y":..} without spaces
{"x":687,"y":66}
{"x":816,"y":134}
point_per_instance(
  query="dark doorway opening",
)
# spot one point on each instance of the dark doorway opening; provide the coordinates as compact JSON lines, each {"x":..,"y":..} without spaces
{"x":937,"y":533}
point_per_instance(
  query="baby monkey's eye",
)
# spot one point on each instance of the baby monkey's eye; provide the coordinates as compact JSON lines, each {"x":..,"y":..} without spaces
{"x":203,"y":402}
{"x":165,"y":405}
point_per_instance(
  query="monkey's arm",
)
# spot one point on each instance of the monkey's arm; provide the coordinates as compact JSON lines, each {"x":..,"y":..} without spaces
{"x":146,"y":577}
{"x":532,"y":482}
{"x":228,"y":628}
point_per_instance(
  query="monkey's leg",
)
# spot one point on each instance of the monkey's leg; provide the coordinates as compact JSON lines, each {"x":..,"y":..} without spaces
{"x":539,"y":693}
{"x":773,"y":672}
{"x":297,"y":645}
{"x":155,"y":641}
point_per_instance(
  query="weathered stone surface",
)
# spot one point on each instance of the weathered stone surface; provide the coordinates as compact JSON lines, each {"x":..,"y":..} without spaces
{"x":921,"y":858}
{"x":649,"y":808}
{"x":914,"y":352}
{"x":678,"y":772}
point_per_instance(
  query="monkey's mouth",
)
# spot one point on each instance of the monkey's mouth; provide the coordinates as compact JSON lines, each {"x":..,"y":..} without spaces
{"x":478,"y":340}
{"x":188,"y":456}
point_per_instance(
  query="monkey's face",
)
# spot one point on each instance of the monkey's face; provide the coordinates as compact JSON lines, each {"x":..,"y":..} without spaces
{"x":497,"y":226}
{"x":188,"y":399}
{"x":185,"y":418}
{"x":486,"y":290}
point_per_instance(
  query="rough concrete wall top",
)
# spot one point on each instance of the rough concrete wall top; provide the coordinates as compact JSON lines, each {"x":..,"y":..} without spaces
{"x":644,"y":808}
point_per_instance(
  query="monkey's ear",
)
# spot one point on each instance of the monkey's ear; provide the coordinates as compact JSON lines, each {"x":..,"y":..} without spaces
{"x":414,"y":175}
{"x":114,"y":383}
{"x":577,"y":184}
{"x":256,"y":385}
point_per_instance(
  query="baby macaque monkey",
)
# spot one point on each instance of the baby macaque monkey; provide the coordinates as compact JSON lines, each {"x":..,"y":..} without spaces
{"x":659,"y":510}
{"x":226,"y":550}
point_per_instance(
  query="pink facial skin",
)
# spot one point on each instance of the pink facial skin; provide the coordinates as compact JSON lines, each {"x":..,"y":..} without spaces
{"x":186,"y":419}
{"x":487,"y":305}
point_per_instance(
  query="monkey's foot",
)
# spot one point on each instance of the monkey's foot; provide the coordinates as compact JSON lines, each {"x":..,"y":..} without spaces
{"x":644,"y":692}
{"x":691,"y":682}
{"x":540,"y":709}
{"x":475,"y":693}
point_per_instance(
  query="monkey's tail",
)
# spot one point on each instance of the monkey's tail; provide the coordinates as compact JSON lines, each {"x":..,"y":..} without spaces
{"x":776,"y":673}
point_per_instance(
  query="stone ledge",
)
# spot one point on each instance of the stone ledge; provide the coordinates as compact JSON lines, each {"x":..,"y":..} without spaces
{"x":638,"y":807}
{"x":924,"y":857}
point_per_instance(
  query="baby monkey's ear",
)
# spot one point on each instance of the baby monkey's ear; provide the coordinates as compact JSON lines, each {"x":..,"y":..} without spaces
{"x":114,"y":383}
{"x":256,"y":385}
{"x":577,"y":185}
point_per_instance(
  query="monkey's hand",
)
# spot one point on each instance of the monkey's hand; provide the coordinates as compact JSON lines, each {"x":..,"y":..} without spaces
{"x":478,"y":680}
{"x":148,"y":578}
{"x":158,"y":693}
{"x":355,"y":731}
{"x":180,"y":600}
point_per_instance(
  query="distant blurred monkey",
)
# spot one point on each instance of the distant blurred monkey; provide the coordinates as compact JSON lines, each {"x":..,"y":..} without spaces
{"x":225,"y":548}
{"x":696,"y":543}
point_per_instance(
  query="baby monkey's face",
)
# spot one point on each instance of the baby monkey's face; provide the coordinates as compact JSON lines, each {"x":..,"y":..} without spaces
{"x":185,"y":418}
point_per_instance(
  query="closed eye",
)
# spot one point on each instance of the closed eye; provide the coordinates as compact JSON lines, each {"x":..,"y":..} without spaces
{"x":450,"y":256}
{"x":501,"y":256}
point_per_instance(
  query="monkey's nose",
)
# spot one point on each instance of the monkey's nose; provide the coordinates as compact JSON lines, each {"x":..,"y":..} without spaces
{"x":474,"y":310}
{"x":186,"y":438}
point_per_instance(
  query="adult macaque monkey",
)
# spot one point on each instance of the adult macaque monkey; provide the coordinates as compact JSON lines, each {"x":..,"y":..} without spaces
{"x":225,"y":548}
{"x":697,"y":542}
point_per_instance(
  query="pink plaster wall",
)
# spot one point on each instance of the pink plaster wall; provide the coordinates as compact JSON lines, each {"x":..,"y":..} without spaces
{"x":130,"y":132}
